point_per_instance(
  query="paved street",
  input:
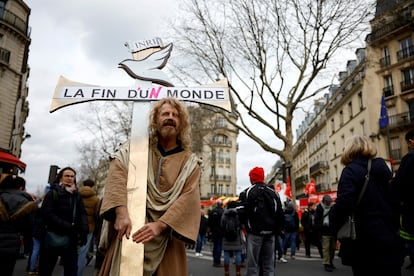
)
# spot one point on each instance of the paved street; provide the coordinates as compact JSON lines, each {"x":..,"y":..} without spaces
{"x":202,"y":266}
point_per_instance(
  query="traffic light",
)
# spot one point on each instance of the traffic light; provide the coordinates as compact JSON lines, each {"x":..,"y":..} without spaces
{"x":52,"y":174}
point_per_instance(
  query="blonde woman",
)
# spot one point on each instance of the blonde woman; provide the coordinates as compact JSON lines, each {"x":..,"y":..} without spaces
{"x":377,"y":249}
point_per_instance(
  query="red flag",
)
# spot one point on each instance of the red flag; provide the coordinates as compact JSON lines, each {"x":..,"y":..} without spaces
{"x":288,"y":191}
{"x":278,"y":187}
{"x":312,"y":186}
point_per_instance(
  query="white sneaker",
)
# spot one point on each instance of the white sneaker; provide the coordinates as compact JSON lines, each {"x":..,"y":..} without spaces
{"x":197,"y":254}
{"x":283,"y":260}
{"x":200,"y":254}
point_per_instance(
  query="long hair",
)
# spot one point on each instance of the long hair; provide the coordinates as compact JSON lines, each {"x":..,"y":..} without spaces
{"x":60,"y":174}
{"x":357,"y":146}
{"x":184,"y":132}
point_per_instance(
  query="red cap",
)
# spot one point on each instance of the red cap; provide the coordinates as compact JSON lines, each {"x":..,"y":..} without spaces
{"x":256,"y":175}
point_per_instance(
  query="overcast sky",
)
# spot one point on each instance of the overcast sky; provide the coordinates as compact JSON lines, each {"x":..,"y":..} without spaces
{"x":84,"y":41}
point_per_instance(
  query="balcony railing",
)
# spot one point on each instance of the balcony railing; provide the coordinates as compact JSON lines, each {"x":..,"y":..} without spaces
{"x":13,"y":20}
{"x":407,"y":84}
{"x":388,"y":91}
{"x":400,"y":120}
{"x":385,"y":61}
{"x":318,"y":167}
{"x":405,"y":53}
{"x":220,"y":177}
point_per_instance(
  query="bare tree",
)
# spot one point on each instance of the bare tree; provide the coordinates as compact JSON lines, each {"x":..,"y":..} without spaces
{"x":276,"y":55}
{"x":109,"y":124}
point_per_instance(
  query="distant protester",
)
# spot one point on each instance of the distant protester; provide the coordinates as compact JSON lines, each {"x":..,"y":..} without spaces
{"x":17,"y":210}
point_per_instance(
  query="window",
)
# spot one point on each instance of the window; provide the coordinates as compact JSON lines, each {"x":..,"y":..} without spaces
{"x":411,"y":110}
{"x":395,"y":148}
{"x":408,"y":79}
{"x":341,"y":118}
{"x":333,"y":125}
{"x":406,"y":48}
{"x":385,"y":61}
{"x":220,"y":189}
{"x":212,"y":189}
{"x":350,"y":112}
{"x":388,"y":88}
{"x":361,"y":103}
{"x":2,"y":8}
{"x":221,"y":156}
{"x":221,"y":122}
{"x":363,"y":127}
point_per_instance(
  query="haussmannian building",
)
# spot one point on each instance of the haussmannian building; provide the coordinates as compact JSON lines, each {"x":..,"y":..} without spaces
{"x":14,"y":73}
{"x":215,"y":142}
{"x":385,"y":67}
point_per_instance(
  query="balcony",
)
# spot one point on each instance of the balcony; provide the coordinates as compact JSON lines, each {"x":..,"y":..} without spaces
{"x":220,"y":177}
{"x":405,"y":53}
{"x":13,"y":20}
{"x":303,"y":179}
{"x":4,"y":56}
{"x":385,"y":61}
{"x":318,"y":168}
{"x":407,"y":84}
{"x":384,"y":32}
{"x":399,"y":120}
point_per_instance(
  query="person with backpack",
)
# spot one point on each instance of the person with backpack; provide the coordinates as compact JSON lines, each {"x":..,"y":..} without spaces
{"x":290,"y":229}
{"x":232,"y":241}
{"x":214,"y":223}
{"x":263,"y":215}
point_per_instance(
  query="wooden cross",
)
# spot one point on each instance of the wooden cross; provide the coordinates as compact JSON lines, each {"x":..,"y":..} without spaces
{"x":148,"y":58}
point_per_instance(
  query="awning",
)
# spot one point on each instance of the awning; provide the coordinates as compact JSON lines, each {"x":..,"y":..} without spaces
{"x":11,"y":159}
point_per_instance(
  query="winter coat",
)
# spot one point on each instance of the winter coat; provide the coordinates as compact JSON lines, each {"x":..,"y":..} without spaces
{"x":16,"y":216}
{"x":203,"y":225}
{"x":403,"y":181}
{"x":376,"y":215}
{"x":324,"y":229}
{"x":91,"y":203}
{"x":237,"y":243}
{"x":290,"y":211}
{"x":57,"y":211}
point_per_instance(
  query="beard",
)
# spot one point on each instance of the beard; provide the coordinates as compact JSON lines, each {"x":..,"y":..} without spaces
{"x":167,"y":132}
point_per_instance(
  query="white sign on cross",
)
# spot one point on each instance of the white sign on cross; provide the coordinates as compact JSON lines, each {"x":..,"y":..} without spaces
{"x":149,"y":57}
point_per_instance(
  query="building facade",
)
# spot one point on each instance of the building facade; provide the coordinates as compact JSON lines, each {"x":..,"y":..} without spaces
{"x":14,"y":73}
{"x":215,"y":142}
{"x":384,"y":68}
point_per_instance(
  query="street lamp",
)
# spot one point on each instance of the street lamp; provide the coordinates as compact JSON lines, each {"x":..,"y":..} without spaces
{"x":26,"y":136}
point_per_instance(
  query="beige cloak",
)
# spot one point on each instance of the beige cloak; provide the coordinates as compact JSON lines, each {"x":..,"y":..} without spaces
{"x":182,"y":215}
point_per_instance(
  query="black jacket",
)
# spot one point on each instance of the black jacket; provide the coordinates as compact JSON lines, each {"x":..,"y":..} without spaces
{"x":263,"y":210}
{"x":376,"y":215}
{"x":404,"y":182}
{"x":57,"y":211}
{"x":16,"y":216}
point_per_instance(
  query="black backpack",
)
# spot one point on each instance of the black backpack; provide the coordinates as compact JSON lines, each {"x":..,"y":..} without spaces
{"x":231,"y":225}
{"x":264,"y":209}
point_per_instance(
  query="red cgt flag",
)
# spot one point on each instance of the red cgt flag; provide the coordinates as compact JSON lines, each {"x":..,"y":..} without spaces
{"x":288,"y":191}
